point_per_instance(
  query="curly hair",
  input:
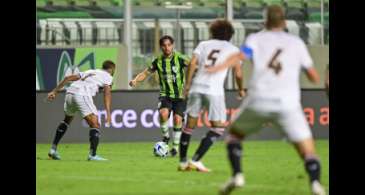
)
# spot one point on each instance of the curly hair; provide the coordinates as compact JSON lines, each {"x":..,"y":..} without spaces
{"x":221,"y":29}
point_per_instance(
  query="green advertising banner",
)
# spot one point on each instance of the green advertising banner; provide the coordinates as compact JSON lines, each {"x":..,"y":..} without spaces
{"x":53,"y":64}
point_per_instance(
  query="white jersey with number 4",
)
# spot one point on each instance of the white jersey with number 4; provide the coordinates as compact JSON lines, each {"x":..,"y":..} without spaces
{"x":210,"y":53}
{"x":278,"y":58}
{"x":90,"y":82}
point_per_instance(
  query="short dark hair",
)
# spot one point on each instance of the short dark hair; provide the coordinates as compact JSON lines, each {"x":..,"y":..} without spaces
{"x":108,"y":64}
{"x":221,"y":29}
{"x":163,"y":38}
{"x":275,"y":16}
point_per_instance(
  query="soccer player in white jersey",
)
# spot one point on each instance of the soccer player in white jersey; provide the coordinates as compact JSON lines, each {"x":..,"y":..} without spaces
{"x":273,"y":96}
{"x":206,"y":91}
{"x":78,"y":98}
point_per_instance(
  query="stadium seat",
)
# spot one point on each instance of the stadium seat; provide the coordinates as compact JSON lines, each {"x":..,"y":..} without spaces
{"x":240,"y":33}
{"x":203,"y":32}
{"x":314,"y":35}
{"x":167,"y":28}
{"x":292,"y":27}
{"x":253,"y":3}
{"x":273,"y":2}
{"x":43,"y":32}
{"x":295,"y":3}
{"x":86,"y":32}
{"x":72,"y":32}
{"x":187,"y":35}
{"x":253,"y":15}
{"x":56,"y":33}
{"x":107,"y":33}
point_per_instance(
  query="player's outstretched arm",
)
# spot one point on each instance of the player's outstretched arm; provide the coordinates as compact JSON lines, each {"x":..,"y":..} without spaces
{"x":312,"y":75}
{"x":237,"y":69}
{"x":189,"y":74}
{"x":140,"y":77}
{"x":107,"y":103}
{"x":231,"y":61}
{"x":52,"y":95}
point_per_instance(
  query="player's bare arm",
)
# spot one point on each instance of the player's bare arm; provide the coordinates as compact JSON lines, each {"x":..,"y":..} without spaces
{"x":140,"y":77}
{"x":107,"y":103}
{"x":312,"y":75}
{"x":189,"y":75}
{"x":237,"y":69}
{"x":52,"y":95}
{"x":231,"y":61}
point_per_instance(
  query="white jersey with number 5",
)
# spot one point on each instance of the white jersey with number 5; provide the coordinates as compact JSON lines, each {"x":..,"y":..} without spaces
{"x":210,"y":53}
{"x":278,"y":58}
{"x":89,"y":83}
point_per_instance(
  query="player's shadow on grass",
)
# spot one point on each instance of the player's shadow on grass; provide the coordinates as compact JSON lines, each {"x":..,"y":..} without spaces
{"x":67,"y":160}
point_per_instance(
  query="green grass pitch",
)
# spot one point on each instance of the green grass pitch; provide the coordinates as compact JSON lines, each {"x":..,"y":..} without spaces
{"x":270,"y":168}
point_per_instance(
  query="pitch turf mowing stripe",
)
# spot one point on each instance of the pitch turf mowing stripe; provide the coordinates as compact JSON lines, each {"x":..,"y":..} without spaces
{"x":271,"y":168}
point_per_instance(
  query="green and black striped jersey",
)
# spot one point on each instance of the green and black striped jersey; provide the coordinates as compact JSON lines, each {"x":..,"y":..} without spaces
{"x":171,"y":72}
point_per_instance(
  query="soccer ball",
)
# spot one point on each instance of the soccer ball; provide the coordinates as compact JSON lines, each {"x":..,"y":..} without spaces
{"x":161,"y":149}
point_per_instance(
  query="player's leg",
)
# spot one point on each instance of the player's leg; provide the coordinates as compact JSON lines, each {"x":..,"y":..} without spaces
{"x":185,"y":141}
{"x":164,"y":113}
{"x":61,"y":130}
{"x":298,"y":131}
{"x":179,"y":108}
{"x":193,"y":107}
{"x":94,"y":136}
{"x":207,"y":141}
{"x":90,"y":115}
{"x":217,"y":117}
{"x":177,"y":134}
{"x":69,"y":109}
{"x":245,"y":122}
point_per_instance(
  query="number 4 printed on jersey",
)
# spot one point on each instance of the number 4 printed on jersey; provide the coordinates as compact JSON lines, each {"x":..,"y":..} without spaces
{"x":274,"y":63}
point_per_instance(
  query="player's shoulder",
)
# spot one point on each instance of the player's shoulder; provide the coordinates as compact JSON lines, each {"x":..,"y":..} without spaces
{"x":294,"y":38}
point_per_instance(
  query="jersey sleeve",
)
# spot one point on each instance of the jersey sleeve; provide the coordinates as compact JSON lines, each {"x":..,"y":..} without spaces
{"x":184,"y":60}
{"x":248,"y":47}
{"x":153,"y":66}
{"x":305,"y":59}
{"x":198,"y":50}
{"x":108,"y":80}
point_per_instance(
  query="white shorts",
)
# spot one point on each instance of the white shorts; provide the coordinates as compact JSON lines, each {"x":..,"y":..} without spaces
{"x":250,"y":119}
{"x":75,"y":103}
{"x":216,"y":106}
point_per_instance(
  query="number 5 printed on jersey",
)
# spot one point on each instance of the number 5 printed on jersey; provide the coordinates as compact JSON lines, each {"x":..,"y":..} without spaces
{"x":213,"y":57}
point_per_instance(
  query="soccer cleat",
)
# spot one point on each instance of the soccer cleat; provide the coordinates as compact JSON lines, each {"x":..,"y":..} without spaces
{"x":317,"y":188}
{"x":183,"y":166}
{"x":198,"y":166}
{"x":234,"y":182}
{"x":173,"y":152}
{"x":53,"y":154}
{"x":166,"y":139}
{"x":96,"y":158}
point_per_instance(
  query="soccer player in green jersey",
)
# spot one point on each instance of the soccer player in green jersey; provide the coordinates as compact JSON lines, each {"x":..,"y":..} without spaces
{"x":170,"y":66}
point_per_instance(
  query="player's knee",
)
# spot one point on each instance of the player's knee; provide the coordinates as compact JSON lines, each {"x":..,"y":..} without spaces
{"x":177,"y":120}
{"x":94,"y":124}
{"x":164,"y":114}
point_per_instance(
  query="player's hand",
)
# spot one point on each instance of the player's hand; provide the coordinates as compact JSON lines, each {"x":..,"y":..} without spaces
{"x":133,"y":83}
{"x":51,"y":95}
{"x":241,"y":94}
{"x":108,"y":121}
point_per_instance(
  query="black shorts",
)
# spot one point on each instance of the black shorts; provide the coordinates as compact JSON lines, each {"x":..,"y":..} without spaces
{"x":176,"y":105}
